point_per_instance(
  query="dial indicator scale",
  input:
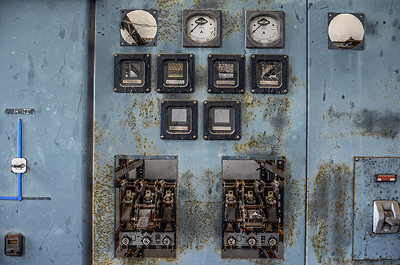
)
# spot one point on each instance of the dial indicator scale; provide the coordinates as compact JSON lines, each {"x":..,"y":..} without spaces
{"x":201,"y":28}
{"x":264,"y":29}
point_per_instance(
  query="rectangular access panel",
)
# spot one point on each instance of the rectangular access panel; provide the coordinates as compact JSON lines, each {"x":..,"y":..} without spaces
{"x":368,"y":189}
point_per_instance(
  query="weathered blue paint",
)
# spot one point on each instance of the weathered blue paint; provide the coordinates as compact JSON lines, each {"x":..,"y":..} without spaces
{"x":368,"y":245}
{"x":353,"y":111}
{"x":129,"y":124}
{"x":44,"y":66}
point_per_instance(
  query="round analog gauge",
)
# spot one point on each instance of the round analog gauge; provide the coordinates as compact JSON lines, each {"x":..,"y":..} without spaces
{"x":138,"y":27}
{"x":264,"y":29}
{"x":201,"y":28}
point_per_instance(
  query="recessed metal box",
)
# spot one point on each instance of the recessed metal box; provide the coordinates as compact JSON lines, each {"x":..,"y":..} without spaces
{"x":368,"y":245}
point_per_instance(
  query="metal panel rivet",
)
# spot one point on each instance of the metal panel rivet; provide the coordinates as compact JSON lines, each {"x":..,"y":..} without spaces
{"x":209,"y":91}
{"x":210,"y":55}
{"x":205,"y":137}
{"x":162,"y":101}
{"x":148,"y":55}
{"x":205,"y":102}
{"x":162,"y":136}
{"x":194,"y":136}
{"x":115,"y":89}
{"x":253,"y":91}
{"x":148,"y":89}
{"x":159,"y":90}
{"x":253,"y":56}
{"x":238,"y":137}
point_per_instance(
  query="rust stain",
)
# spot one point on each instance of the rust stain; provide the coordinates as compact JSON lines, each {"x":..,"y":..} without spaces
{"x":276,"y":113}
{"x":366,"y":123}
{"x":199,"y":222}
{"x":169,"y":23}
{"x":103,"y":212}
{"x":330,"y":213}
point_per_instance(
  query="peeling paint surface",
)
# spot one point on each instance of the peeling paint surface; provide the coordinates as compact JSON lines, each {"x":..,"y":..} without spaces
{"x":129,"y":124}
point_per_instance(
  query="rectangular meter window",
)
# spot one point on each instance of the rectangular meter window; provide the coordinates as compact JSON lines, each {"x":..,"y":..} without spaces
{"x":226,"y":73}
{"x":222,"y":120}
{"x":178,"y":120}
{"x":132,"y":73}
{"x":269,"y":74}
{"x":175,"y":73}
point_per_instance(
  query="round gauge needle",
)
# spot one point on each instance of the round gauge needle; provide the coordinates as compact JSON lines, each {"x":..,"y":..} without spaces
{"x":261,"y":22}
{"x":194,"y":28}
{"x":199,"y":21}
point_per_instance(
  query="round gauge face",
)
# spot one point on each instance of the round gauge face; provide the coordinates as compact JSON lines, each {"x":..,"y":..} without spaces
{"x":201,"y":28}
{"x":264,"y":29}
{"x":138,"y":27}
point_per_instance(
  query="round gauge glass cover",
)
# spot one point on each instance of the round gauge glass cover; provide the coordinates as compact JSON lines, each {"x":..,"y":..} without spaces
{"x":201,"y":28}
{"x":264,"y":29}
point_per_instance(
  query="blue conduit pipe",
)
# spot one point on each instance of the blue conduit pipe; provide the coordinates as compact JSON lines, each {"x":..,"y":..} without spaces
{"x":19,"y":147}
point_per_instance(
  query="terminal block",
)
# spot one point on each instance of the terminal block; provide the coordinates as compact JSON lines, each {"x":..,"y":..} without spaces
{"x":145,"y":208}
{"x":253,"y":208}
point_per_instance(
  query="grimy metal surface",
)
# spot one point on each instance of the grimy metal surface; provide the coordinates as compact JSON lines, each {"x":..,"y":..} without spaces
{"x":353,"y":110}
{"x":129,"y":124}
{"x":340,"y":104}
{"x":43,"y":66}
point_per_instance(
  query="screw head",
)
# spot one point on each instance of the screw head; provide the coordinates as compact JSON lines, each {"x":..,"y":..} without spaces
{"x":205,"y":137}
{"x":253,"y":91}
{"x":162,"y":101}
{"x":242,"y":56}
{"x":237,"y":102}
{"x":285,"y":91}
{"x":210,"y":55}
{"x":191,"y":55}
{"x":209,"y":91}
{"x":115,"y":89}
{"x":115,"y":55}
{"x":205,"y":102}
{"x":253,"y":56}
{"x":162,"y":136}
{"x":148,"y":55}
{"x":159,"y":90}
{"x":242,"y":91}
{"x":148,"y":89}
{"x":194,"y":136}
{"x":285,"y":56}
{"x":238,"y":137}
{"x":195,"y":102}
{"x":159,"y":55}
{"x":191,"y":90}
{"x":272,"y":241}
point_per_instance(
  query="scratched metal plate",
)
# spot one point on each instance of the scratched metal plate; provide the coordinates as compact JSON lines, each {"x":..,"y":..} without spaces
{"x":273,"y":125}
{"x":366,"y":244}
{"x":353,"y":111}
{"x":44,"y":66}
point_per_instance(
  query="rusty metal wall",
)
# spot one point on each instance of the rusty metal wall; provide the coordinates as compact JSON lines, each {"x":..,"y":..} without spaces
{"x":353,"y":110}
{"x":129,"y":124}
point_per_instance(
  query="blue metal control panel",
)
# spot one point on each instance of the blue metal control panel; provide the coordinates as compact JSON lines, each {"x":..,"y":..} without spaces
{"x":202,"y":132}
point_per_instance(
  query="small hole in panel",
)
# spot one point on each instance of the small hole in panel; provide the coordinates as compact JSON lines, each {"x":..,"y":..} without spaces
{"x":346,"y":31}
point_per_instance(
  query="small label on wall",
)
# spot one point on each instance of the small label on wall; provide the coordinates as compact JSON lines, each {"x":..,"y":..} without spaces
{"x":20,"y":111}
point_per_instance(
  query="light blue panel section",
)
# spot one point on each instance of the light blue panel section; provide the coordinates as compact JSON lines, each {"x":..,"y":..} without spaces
{"x":44,"y":66}
{"x":353,"y":111}
{"x":129,"y":124}
{"x":368,"y":245}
